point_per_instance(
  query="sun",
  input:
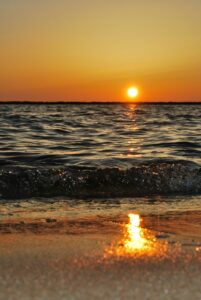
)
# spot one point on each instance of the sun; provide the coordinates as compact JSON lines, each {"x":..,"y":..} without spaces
{"x":132,"y":92}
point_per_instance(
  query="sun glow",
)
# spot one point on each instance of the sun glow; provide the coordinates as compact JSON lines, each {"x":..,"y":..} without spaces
{"x":132,"y":92}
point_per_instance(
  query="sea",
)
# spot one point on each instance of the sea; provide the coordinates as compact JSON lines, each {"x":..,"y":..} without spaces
{"x":117,"y":154}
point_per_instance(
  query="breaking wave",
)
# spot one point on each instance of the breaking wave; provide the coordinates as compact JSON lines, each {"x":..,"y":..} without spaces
{"x":162,"y":178}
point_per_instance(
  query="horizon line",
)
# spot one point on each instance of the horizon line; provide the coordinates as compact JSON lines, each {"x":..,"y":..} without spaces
{"x":94,"y":102}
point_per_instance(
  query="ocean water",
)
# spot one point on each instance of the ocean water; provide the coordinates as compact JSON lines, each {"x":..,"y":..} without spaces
{"x":99,"y":150}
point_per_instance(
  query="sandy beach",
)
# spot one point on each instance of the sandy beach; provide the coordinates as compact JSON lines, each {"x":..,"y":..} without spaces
{"x":105,"y":256}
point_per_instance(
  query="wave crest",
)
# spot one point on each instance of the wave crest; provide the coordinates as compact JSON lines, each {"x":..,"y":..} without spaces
{"x":157,"y":178}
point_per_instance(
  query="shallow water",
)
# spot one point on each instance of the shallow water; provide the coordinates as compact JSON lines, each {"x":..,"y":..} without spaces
{"x":60,"y":207}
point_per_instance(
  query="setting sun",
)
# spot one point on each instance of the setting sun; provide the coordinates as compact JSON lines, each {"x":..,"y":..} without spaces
{"x":132,"y":92}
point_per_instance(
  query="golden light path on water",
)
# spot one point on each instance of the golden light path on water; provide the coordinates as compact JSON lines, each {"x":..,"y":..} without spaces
{"x":137,"y":241}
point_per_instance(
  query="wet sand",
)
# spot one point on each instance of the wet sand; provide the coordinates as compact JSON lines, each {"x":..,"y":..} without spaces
{"x":63,"y":267}
{"x":101,"y":257}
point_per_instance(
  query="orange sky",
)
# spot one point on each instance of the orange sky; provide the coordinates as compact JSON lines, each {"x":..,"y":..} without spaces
{"x":93,"y":50}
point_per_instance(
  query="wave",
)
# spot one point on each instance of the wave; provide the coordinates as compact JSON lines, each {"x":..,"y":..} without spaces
{"x":162,"y":178}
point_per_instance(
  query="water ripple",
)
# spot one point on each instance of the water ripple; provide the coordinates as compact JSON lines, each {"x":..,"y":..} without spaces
{"x":101,"y":135}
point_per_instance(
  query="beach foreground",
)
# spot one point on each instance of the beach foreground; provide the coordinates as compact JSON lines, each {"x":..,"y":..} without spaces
{"x":101,"y":256}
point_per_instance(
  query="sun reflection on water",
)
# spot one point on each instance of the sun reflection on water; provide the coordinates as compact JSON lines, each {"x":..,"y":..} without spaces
{"x":136,"y":240}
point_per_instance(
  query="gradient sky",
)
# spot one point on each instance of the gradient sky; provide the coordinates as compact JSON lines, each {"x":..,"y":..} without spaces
{"x":94,"y":50}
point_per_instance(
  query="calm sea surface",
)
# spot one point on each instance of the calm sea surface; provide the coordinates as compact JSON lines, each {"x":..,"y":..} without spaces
{"x":101,"y":135}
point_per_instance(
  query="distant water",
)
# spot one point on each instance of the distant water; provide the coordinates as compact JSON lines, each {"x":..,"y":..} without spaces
{"x":98,"y":135}
{"x":99,"y":150}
